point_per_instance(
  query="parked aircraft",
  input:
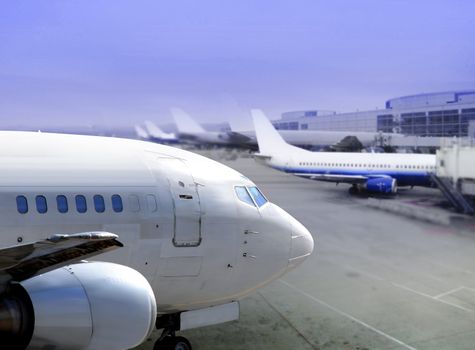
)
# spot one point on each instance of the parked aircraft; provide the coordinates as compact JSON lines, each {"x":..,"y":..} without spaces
{"x":176,"y":240}
{"x":191,"y":132}
{"x":159,"y":136}
{"x":318,"y":139}
{"x":374,"y":172}
{"x":142,"y":134}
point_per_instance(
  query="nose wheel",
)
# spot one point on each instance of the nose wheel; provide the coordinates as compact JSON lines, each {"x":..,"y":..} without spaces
{"x":171,"y":342}
{"x":168,"y":340}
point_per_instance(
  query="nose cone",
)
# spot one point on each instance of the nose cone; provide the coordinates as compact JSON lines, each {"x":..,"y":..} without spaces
{"x":302,"y":243}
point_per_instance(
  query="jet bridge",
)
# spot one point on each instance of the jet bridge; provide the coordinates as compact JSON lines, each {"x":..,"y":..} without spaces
{"x":455,"y":175}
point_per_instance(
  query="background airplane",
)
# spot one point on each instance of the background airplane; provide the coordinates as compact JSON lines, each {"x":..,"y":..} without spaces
{"x":176,"y":240}
{"x":190,"y":131}
{"x":374,"y":172}
{"x":348,"y":141}
{"x":343,"y":141}
{"x":141,"y":133}
{"x":157,"y":135}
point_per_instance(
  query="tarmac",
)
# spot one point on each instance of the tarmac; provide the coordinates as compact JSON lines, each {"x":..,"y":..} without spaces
{"x":378,"y":278}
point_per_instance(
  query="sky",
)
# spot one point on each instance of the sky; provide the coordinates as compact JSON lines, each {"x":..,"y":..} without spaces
{"x":118,"y":62}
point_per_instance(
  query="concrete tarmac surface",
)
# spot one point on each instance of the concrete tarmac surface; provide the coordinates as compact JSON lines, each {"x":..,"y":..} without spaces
{"x":376,"y":280}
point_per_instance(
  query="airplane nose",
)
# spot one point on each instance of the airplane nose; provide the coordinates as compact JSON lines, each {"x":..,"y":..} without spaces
{"x":302,"y":243}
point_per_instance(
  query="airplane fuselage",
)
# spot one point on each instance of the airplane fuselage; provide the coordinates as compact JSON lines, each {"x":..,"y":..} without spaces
{"x":407,"y":169}
{"x":178,"y":214}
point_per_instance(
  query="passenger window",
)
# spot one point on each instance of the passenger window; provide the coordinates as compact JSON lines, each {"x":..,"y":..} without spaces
{"x":258,"y":196}
{"x":62,"y":203}
{"x":22,"y":204}
{"x":99,"y":204}
{"x":134,"y":203}
{"x":151,"y":203}
{"x":117,"y":205}
{"x":81,"y":205}
{"x":243,"y":195}
{"x":41,"y":204}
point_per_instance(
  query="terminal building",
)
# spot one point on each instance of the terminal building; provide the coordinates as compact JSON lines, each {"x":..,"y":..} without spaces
{"x":442,"y":114}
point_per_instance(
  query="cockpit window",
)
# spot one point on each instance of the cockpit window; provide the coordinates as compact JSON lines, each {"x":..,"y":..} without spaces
{"x":258,"y":196}
{"x":243,"y":195}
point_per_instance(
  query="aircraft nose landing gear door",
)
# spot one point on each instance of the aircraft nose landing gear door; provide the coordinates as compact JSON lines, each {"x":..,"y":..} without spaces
{"x":186,"y":202}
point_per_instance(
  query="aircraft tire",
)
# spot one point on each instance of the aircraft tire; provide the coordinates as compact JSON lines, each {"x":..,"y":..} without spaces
{"x":353,"y":190}
{"x":173,"y":343}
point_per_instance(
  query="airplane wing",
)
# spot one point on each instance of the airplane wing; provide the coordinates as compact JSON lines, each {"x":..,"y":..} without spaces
{"x":27,"y":260}
{"x":352,"y":179}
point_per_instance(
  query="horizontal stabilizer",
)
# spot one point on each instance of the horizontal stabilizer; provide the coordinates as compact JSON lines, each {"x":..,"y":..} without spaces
{"x":27,"y":260}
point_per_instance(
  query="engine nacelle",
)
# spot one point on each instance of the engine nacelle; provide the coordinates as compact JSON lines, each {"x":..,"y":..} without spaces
{"x":386,"y":185}
{"x":89,"y":306}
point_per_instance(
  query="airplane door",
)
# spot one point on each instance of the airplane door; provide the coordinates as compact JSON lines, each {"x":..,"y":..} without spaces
{"x":186,"y":202}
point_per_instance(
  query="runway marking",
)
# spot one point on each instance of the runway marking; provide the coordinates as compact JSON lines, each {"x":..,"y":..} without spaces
{"x":471,"y":289}
{"x":449,"y":292}
{"x":450,"y":267}
{"x":343,"y":313}
{"x":431,"y":297}
{"x":436,"y":298}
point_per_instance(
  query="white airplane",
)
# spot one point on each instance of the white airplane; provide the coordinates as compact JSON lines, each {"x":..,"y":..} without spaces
{"x":339,"y":140}
{"x":176,"y":240}
{"x":142,"y":134}
{"x":374,"y":172}
{"x":190,"y":131}
{"x":157,"y":135}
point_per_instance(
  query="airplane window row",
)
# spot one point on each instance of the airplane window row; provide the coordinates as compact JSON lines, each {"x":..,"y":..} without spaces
{"x":357,"y":165}
{"x":63,"y":207}
{"x":250,"y":195}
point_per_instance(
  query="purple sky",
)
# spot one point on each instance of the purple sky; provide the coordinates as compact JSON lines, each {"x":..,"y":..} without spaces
{"x":100,"y":62}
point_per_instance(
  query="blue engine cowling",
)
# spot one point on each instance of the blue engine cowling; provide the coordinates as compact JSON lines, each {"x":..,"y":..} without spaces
{"x":385,"y":185}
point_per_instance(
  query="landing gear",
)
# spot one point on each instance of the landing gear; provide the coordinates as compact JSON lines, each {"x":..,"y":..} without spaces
{"x":354,"y":190}
{"x":168,"y":340}
{"x":171,"y":342}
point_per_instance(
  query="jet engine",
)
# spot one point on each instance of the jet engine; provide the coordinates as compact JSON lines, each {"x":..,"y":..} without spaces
{"x":386,"y":185}
{"x":91,"y":306}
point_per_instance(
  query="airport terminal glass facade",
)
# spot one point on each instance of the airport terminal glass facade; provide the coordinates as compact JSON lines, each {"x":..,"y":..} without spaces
{"x":443,"y":114}
{"x":385,"y":123}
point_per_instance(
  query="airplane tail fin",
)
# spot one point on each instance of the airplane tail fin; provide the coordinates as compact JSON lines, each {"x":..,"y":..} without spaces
{"x":154,"y":130}
{"x":141,"y":133}
{"x":185,"y":123}
{"x":268,"y":138}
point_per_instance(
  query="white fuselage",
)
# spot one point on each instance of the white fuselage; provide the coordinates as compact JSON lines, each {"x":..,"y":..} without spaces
{"x":320,"y":138}
{"x":181,"y":223}
{"x":407,"y":169}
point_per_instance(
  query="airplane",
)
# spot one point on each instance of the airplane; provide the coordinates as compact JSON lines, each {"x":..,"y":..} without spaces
{"x":191,"y":132}
{"x":372,"y":172}
{"x":159,"y":136}
{"x":343,"y":141}
{"x":318,"y":139}
{"x":141,"y":133}
{"x":103,"y":239}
